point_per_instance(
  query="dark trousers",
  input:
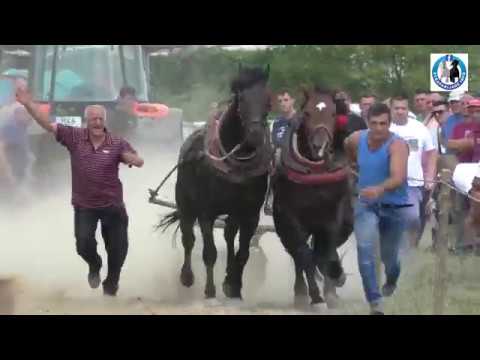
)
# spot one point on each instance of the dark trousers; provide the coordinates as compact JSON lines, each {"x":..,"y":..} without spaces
{"x":114,"y":222}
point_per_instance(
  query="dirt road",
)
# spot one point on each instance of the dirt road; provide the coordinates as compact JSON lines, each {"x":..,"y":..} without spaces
{"x":48,"y":277}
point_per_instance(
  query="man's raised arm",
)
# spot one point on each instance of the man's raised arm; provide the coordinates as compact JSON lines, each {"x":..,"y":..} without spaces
{"x":25,"y":98}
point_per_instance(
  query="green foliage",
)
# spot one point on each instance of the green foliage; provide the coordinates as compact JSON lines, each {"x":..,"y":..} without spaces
{"x":192,"y":81}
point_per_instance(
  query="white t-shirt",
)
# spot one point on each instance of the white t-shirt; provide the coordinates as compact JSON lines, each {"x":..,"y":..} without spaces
{"x":464,"y":174}
{"x":419,"y":140}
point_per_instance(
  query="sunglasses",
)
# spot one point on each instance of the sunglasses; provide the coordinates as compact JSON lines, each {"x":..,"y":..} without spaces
{"x":439,"y":112}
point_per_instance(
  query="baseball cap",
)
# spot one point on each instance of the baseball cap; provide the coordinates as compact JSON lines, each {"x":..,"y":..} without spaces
{"x":474,"y":103}
{"x":455,"y":96}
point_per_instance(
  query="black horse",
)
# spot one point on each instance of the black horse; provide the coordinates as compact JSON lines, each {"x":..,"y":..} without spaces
{"x":312,"y":196}
{"x":224,"y":171}
{"x":454,"y":71}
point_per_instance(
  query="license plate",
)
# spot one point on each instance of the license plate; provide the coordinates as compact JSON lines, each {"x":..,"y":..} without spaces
{"x":75,"y":121}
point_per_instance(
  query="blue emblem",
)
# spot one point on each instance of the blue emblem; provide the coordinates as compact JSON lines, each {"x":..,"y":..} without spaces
{"x":449,"y":72}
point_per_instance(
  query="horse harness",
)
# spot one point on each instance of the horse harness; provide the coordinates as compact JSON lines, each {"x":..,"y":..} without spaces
{"x":227,"y":164}
{"x":298,"y":169}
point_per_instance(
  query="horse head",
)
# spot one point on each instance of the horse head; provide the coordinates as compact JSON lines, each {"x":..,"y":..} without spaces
{"x":317,"y":124}
{"x":252,"y":100}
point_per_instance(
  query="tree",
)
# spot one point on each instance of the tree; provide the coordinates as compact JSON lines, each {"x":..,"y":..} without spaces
{"x":195,"y":79}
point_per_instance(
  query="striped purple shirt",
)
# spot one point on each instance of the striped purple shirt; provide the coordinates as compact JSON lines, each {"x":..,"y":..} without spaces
{"x":95,"y":181}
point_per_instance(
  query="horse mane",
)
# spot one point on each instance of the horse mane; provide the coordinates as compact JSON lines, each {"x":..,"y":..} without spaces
{"x":318,"y":89}
{"x":322,"y":90}
{"x":248,"y":77}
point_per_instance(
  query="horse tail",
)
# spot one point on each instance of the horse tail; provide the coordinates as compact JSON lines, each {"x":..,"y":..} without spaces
{"x":169,"y":220}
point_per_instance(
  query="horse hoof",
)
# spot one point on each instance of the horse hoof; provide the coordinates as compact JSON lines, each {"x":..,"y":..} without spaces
{"x":212,"y":302}
{"x":210,"y":292}
{"x":340,"y":281}
{"x":231,"y":291}
{"x":227,"y":289}
{"x":319,"y":308}
{"x":187,"y":278}
{"x":332,"y":301}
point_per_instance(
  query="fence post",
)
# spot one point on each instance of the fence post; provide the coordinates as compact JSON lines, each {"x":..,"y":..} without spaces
{"x":440,"y":273}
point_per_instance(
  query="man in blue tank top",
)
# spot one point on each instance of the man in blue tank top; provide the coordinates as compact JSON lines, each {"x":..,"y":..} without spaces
{"x":381,"y":158}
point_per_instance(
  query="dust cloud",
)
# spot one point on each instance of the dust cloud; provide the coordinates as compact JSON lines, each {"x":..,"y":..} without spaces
{"x":46,"y":276}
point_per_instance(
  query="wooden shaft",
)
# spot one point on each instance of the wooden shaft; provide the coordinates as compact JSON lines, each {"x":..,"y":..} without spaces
{"x":440,"y":275}
{"x":219,"y":223}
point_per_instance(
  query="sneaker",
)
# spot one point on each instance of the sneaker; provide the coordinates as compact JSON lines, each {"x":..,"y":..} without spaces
{"x":388,"y":290}
{"x":94,"y":279}
{"x":110,"y":289}
{"x":376,"y":309}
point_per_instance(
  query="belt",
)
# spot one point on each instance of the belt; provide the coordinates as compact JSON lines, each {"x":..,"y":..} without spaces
{"x":394,"y":206}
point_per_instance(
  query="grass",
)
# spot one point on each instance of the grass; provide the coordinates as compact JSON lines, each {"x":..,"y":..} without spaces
{"x":415,"y":293}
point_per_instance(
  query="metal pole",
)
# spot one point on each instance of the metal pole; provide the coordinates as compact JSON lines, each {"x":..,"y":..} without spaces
{"x":122,"y":65}
{"x":53,"y":77}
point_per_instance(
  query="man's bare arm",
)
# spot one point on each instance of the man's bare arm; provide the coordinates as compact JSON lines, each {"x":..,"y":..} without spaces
{"x":460,"y":145}
{"x":132,"y":159}
{"x":429,"y":159}
{"x":25,"y":98}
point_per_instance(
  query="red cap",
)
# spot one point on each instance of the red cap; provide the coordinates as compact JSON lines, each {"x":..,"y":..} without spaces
{"x":474,"y":103}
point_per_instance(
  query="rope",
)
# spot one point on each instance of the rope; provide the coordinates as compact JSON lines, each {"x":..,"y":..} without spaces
{"x":234,"y":150}
{"x":449,"y":185}
{"x":455,"y":188}
{"x":154,"y":193}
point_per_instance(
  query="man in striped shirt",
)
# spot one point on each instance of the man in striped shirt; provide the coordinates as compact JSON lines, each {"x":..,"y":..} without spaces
{"x":97,"y":192}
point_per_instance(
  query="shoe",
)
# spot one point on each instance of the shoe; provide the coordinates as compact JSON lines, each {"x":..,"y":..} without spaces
{"x":376,"y":309}
{"x":94,"y":279}
{"x":388,"y":290}
{"x":110,"y":289}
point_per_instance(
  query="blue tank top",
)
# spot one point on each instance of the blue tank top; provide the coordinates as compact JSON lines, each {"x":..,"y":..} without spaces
{"x":374,"y":169}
